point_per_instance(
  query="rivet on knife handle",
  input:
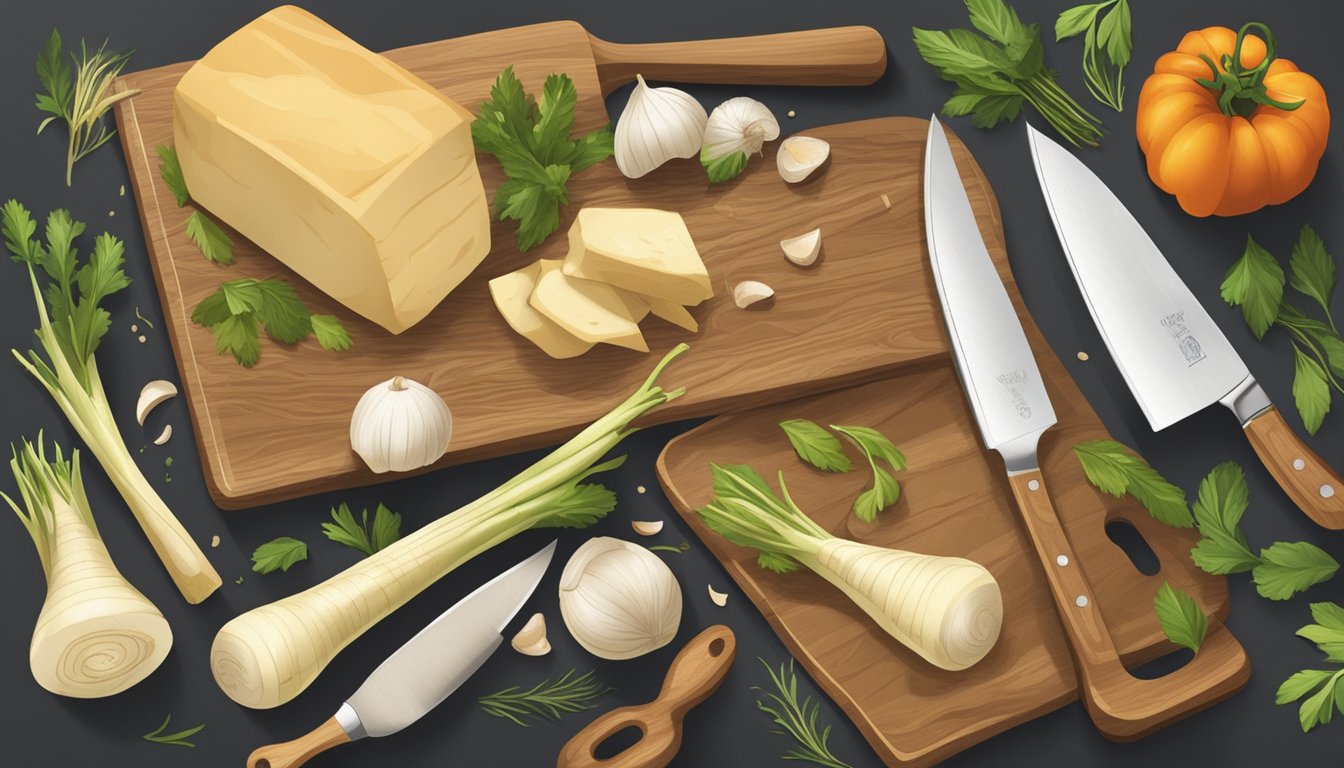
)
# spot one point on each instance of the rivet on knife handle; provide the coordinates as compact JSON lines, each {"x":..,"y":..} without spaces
{"x":696,"y":672}
{"x":1305,"y":477}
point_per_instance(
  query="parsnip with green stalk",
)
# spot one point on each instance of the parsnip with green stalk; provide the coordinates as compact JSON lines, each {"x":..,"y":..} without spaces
{"x":946,"y":609}
{"x":96,"y":634}
{"x":268,"y":655}
{"x":70,"y":326}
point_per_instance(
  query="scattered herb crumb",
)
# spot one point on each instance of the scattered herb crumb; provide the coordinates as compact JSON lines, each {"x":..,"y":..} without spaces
{"x":641,"y":489}
{"x":214,"y":541}
{"x":548,"y":699}
{"x":122,"y":191}
{"x":134,"y":328}
{"x":278,"y":554}
{"x":168,"y":461}
{"x":111,"y":214}
{"x":1083,"y":356}
{"x":238,"y":580}
{"x":167,"y":478}
{"x":792,"y":113}
{"x":178,"y":739}
{"x":678,"y":549}
{"x":142,"y":338}
{"x":143,"y":319}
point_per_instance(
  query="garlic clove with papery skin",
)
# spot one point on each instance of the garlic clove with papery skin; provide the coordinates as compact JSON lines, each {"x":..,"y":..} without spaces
{"x":803,"y":249}
{"x":531,"y":639}
{"x":657,"y":124}
{"x":400,"y":425}
{"x":618,"y":599}
{"x":151,"y":395}
{"x":750,"y":292}
{"x":799,"y":156}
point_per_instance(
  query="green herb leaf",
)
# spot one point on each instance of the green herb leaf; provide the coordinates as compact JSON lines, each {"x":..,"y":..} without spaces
{"x":1112,"y":469}
{"x":282,"y":312}
{"x":1287,"y":568}
{"x":777,"y":563}
{"x":278,"y":554}
{"x":1182,"y":620}
{"x":91,"y":80}
{"x":1116,"y":34}
{"x":213,"y":241}
{"x":1255,"y":283}
{"x":997,"y":21}
{"x":237,"y":336}
{"x":1075,"y":21}
{"x":816,"y":446}
{"x":1223,"y":499}
{"x":56,"y":79}
{"x":1313,"y":270}
{"x":331,"y":334}
{"x":1320,"y":707}
{"x":885,"y":491}
{"x":357,"y":535}
{"x":549,"y":699}
{"x":724,"y":167}
{"x":171,"y":172}
{"x":796,"y":718}
{"x":1311,"y":390}
{"x":178,"y":739}
{"x":550,"y":136}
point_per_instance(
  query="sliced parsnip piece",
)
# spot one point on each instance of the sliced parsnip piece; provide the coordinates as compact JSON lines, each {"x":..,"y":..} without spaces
{"x":591,"y":311}
{"x":511,"y":293}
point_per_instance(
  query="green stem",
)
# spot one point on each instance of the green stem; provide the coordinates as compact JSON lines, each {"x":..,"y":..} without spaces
{"x":1239,"y":90}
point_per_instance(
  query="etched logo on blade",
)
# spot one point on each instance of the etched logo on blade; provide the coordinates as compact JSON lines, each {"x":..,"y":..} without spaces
{"x":1012,"y":382}
{"x":1185,"y":341}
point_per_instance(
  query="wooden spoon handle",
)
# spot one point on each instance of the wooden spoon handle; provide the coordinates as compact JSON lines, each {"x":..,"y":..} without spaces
{"x":1122,"y":706}
{"x":1315,"y":488}
{"x":835,"y":56}
{"x":292,"y":754}
{"x":696,"y":672}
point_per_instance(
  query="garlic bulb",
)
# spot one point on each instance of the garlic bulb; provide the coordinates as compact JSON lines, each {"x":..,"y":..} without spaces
{"x":799,"y":156}
{"x":738,"y":125}
{"x":400,"y":425}
{"x":618,"y":599}
{"x":657,"y":125}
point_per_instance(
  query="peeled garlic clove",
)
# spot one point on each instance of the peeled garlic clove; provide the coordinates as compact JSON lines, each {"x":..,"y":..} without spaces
{"x":740,"y":124}
{"x":657,"y":125}
{"x":803,"y":249}
{"x":400,"y":425}
{"x":164,"y":435}
{"x":720,"y":598}
{"x":531,"y":639}
{"x":749,"y":292}
{"x":151,"y":395}
{"x":799,"y":156}
{"x":647,"y":527}
{"x":618,"y":599}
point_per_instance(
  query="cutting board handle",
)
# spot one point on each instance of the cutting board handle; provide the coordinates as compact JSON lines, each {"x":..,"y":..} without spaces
{"x":696,"y":672}
{"x":1122,"y":706}
{"x":834,"y":56}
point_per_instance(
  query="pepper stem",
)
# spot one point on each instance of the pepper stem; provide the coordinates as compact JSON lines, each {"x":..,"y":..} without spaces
{"x":1240,"y":91}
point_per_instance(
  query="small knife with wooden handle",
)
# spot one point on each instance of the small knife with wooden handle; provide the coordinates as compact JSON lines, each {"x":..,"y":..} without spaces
{"x":1173,"y":356}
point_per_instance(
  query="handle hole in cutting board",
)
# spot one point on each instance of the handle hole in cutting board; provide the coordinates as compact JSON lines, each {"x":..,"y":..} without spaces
{"x":1124,"y":535}
{"x":716,"y":647}
{"x":1163,"y":665}
{"x":618,"y":742}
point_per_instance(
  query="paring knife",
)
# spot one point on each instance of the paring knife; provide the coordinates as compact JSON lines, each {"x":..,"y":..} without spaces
{"x":1008,"y":398}
{"x":1173,"y":356}
{"x":424,"y":671}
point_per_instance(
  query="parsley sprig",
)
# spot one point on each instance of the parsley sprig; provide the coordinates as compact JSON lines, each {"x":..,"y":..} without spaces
{"x":1182,"y":620}
{"x":214,"y":242}
{"x":234,"y":313}
{"x":1328,"y":684}
{"x":1114,"y":470}
{"x":278,"y":554}
{"x":819,"y":448}
{"x":996,"y":73}
{"x":532,"y":142}
{"x":344,"y":529}
{"x":1107,"y":44}
{"x":79,"y":97}
{"x":1256,"y":281}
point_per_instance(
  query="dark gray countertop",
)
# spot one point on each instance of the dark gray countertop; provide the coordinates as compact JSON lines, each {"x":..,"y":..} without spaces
{"x":40,"y":729}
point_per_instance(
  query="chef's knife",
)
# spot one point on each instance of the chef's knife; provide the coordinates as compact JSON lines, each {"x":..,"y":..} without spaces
{"x":424,"y":671}
{"x":1171,"y":353}
{"x":1012,"y":408}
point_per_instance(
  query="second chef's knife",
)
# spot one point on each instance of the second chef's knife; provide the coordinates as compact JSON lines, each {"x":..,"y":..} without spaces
{"x":1008,"y":397}
{"x":424,"y":671}
{"x":1171,"y":353}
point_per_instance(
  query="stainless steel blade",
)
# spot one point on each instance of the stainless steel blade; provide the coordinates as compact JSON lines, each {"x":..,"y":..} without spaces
{"x":993,"y":358}
{"x":431,"y":665}
{"x":1171,"y":353}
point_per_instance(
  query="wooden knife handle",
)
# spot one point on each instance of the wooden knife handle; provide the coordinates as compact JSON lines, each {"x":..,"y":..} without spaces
{"x":1122,"y":706}
{"x":696,"y":672}
{"x":292,"y":754}
{"x":835,"y":56}
{"x":1315,"y":488}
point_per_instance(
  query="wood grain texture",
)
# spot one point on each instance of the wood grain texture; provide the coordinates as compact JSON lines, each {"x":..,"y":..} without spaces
{"x":836,"y":56}
{"x":697,"y":671}
{"x":956,"y":501}
{"x":1122,"y":706}
{"x":292,"y":754}
{"x":1312,"y":485}
{"x":280,"y":429}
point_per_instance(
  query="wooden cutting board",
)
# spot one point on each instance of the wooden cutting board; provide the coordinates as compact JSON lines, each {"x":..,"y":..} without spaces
{"x":280,"y":429}
{"x":955,"y":501}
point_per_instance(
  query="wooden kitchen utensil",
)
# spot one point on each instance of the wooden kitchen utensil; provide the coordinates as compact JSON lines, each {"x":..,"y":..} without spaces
{"x":280,"y":429}
{"x":696,"y":672}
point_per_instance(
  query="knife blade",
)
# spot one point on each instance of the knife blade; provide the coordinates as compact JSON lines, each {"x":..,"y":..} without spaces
{"x":1169,"y":350}
{"x":1011,"y":406}
{"x":424,"y":671}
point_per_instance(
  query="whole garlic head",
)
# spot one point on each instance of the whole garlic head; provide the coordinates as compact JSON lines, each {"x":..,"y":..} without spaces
{"x":740,"y":124}
{"x":400,"y":425}
{"x":657,"y":125}
{"x":618,"y":599}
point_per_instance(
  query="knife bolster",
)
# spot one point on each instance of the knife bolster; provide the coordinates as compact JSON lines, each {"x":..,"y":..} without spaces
{"x":1247,"y":400}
